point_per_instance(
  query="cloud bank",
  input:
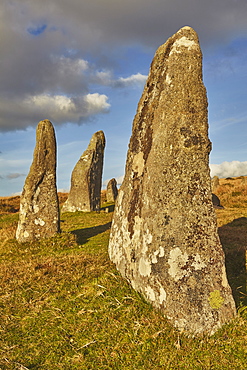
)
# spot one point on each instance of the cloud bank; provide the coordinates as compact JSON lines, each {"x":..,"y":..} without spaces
{"x":61,"y":98}
{"x":57,"y":55}
{"x":229,"y":169}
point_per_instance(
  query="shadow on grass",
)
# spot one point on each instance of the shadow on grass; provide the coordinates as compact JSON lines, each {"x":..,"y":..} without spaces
{"x":108,"y":208}
{"x":233,"y":238}
{"x":83,"y":235}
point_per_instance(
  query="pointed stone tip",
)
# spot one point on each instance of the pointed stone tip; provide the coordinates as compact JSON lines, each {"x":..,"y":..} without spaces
{"x":100,"y":135}
{"x":45,"y":122}
{"x":187,"y":28}
{"x":185,"y":36}
{"x":100,"y":132}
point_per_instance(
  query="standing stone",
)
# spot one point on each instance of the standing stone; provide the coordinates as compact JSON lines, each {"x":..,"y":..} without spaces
{"x":164,"y":237}
{"x":215,"y":182}
{"x":111,"y":191}
{"x":86,"y":178}
{"x":216,"y":201}
{"x":39,"y":207}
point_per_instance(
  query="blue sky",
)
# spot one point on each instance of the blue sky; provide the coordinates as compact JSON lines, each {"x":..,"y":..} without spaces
{"x":83,"y":64}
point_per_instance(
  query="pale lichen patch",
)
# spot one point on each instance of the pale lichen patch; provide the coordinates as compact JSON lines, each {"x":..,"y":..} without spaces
{"x":224,"y":277}
{"x":154,"y":257}
{"x":168,"y":79}
{"x":39,"y":221}
{"x":162,"y":296}
{"x":161,"y":251}
{"x":183,"y":42}
{"x":177,"y":260}
{"x":148,"y":237}
{"x":144,"y":267}
{"x":138,"y":163}
{"x":150,"y":293}
{"x":158,"y":253}
{"x":35,"y":208}
{"x":198,"y":264}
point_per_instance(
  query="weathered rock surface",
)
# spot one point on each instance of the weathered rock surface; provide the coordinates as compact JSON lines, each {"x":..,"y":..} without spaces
{"x":86,"y":178}
{"x":215,"y":182}
{"x":111,"y":191}
{"x":164,"y":237}
{"x":39,"y":208}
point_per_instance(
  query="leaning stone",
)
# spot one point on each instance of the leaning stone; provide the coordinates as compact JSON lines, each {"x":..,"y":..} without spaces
{"x":215,"y":182}
{"x":111,"y":191}
{"x":39,"y":207}
{"x":164,"y":237}
{"x":86,"y":178}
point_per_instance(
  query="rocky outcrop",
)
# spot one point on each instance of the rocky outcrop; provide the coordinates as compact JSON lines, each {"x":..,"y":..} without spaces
{"x":111,"y":190}
{"x":164,"y":237}
{"x":86,"y":178}
{"x":39,"y":208}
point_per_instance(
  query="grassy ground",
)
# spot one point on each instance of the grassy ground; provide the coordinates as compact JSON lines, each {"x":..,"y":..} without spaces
{"x":64,"y":306}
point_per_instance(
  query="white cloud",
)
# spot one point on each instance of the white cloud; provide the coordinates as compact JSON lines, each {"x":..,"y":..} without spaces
{"x":59,"y":109}
{"x":120,"y":179}
{"x":96,"y":103}
{"x":46,"y":103}
{"x":229,"y":169}
{"x":46,"y":45}
{"x":136,"y":79}
{"x":75,"y":66}
{"x":106,"y":78}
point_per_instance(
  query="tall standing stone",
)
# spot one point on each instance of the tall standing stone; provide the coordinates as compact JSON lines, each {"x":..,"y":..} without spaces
{"x":86,"y":178}
{"x":164,"y":237}
{"x":111,"y":190}
{"x":39,"y":208}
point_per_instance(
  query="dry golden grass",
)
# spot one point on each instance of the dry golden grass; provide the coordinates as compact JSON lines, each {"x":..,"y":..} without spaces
{"x":232,"y":223}
{"x":64,"y":306}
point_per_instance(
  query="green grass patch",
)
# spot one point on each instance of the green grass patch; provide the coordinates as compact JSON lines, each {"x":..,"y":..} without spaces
{"x":64,"y":306}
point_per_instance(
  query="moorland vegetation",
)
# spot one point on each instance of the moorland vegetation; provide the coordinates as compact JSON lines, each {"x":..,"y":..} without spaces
{"x":63,"y":305}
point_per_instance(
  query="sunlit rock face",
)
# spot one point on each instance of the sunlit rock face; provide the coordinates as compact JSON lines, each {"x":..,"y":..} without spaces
{"x":86,"y":178}
{"x":164,"y":237}
{"x":39,"y":208}
{"x":111,"y":190}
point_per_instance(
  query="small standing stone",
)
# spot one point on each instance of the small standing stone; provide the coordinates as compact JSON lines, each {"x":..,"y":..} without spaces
{"x":216,"y":201}
{"x":86,"y":178}
{"x":164,"y":237}
{"x":39,"y":207}
{"x":215,"y":182}
{"x":111,"y":191}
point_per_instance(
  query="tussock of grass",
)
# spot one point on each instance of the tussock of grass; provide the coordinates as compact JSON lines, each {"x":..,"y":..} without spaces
{"x":63,"y":305}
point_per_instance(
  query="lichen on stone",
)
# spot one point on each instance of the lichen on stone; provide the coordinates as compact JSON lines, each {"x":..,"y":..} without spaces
{"x":39,"y":209}
{"x":215,"y":300}
{"x":164,"y":233}
{"x":86,"y":178}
